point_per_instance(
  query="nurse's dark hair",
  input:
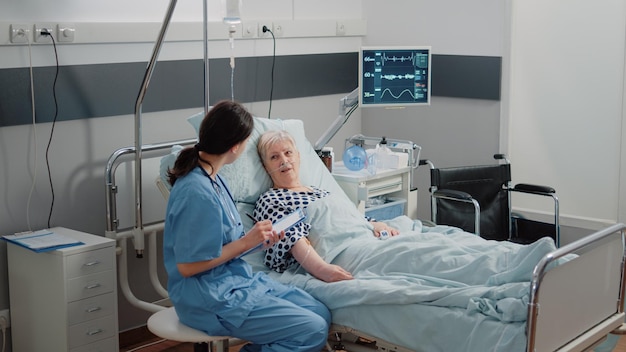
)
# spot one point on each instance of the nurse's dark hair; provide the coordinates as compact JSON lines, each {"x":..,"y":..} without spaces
{"x":225,"y":125}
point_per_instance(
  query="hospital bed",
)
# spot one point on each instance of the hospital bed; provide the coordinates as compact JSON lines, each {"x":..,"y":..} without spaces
{"x":569,"y":307}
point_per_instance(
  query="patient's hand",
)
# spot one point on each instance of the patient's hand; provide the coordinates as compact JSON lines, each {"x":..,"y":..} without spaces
{"x":333,"y":273}
{"x":315,"y":265}
{"x":381,"y":226}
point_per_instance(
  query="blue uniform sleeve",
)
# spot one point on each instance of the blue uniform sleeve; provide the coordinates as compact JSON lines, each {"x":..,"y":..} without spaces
{"x":196,"y":222}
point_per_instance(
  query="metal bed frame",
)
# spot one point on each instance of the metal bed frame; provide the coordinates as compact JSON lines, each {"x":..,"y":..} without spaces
{"x":587,"y":338}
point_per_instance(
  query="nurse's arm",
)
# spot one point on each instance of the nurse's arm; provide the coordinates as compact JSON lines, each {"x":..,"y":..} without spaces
{"x":260,"y":232}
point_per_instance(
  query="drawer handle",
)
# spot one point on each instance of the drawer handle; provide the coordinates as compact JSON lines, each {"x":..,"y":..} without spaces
{"x":93,"y":309}
{"x":92,"y":286}
{"x":389,"y":186}
{"x":95,"y":262}
{"x":94,"y":332}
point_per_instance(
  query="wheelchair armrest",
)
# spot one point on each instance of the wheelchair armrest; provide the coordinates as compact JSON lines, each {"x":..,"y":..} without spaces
{"x":459,"y":196}
{"x":453,"y":194}
{"x":426,"y":162}
{"x":535,"y":189}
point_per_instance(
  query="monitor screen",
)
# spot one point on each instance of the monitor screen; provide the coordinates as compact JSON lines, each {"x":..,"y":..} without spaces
{"x":394,"y":76}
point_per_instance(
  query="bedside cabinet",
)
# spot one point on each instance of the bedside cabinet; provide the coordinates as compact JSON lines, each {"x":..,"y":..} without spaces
{"x":65,"y":299}
{"x":394,"y":183}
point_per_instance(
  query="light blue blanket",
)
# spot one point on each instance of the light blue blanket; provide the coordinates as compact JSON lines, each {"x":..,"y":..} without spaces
{"x":423,"y":266}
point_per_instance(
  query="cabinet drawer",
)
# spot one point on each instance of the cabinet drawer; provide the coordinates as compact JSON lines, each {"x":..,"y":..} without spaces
{"x":384,"y":186}
{"x":90,"y":308}
{"x":90,"y":285}
{"x":91,"y":331}
{"x":107,"y":345}
{"x":89,"y":262}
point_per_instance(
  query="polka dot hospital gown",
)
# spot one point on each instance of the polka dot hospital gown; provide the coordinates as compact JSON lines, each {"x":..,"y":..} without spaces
{"x":274,"y":205}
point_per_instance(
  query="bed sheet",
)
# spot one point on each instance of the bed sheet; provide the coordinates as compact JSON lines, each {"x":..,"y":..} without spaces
{"x":421,"y":310}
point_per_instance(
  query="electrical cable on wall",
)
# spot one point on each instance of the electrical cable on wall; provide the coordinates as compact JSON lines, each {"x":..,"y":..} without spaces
{"x":54,"y":120}
{"x":265,"y":29}
{"x":32,"y":102}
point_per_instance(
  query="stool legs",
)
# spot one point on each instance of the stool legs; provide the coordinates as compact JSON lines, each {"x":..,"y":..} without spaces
{"x":201,"y":347}
{"x":221,"y":346}
{"x":217,"y":346}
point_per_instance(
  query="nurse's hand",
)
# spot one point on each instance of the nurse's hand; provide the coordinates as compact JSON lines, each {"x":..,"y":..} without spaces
{"x":262,"y":232}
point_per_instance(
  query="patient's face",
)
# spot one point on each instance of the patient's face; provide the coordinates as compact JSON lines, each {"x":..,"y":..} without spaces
{"x":282,"y":163}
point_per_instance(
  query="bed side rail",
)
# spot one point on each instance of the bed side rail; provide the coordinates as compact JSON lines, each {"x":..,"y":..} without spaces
{"x":117,"y":158}
{"x":574,"y":305}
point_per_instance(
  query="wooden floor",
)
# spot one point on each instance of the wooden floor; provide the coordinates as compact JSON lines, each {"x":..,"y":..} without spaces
{"x":621,"y":345}
{"x":141,"y":340}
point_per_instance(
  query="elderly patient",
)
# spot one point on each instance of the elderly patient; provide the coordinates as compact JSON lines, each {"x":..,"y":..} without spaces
{"x":281,"y":160}
{"x":412,"y":254}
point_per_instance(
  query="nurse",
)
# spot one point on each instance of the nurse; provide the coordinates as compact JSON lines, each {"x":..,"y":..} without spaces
{"x":210,"y":286}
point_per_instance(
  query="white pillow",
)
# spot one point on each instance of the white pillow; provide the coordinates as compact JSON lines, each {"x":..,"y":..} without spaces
{"x":247,"y":178}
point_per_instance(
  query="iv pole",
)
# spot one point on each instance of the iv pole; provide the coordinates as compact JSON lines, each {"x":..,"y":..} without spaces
{"x":138,"y":232}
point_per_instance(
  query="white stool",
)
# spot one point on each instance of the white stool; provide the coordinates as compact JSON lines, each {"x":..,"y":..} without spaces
{"x":165,"y":324}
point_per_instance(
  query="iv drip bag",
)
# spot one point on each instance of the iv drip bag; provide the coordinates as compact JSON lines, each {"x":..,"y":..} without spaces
{"x":232,"y":11}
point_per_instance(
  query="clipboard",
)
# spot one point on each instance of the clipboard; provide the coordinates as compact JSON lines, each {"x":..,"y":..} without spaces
{"x":284,"y":224}
{"x":42,"y":240}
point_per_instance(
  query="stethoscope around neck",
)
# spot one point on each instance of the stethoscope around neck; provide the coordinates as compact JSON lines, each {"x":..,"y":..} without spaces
{"x":220,"y":193}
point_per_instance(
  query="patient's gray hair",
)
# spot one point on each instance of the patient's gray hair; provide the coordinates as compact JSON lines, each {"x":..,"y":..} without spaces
{"x":270,"y":138}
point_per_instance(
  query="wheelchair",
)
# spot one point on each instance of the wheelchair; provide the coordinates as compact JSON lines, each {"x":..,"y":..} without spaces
{"x":478,"y":199}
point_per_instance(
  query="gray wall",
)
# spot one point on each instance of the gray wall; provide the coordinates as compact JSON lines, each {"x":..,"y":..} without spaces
{"x":452,"y":130}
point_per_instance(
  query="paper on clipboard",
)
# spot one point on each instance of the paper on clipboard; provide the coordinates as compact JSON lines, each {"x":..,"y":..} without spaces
{"x":42,"y":240}
{"x":283,"y":224}
{"x":289,"y":221}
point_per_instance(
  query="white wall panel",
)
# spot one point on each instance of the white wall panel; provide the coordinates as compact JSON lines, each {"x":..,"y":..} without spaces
{"x":566,"y":102}
{"x":451,"y":27}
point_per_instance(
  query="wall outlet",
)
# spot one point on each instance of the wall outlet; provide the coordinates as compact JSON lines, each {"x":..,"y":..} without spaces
{"x":249,"y":29}
{"x":19,"y":33}
{"x":65,"y":32}
{"x":5,"y":314}
{"x":341,"y":28}
{"x":264,"y":34}
{"x":278,"y":29}
{"x":48,"y":27}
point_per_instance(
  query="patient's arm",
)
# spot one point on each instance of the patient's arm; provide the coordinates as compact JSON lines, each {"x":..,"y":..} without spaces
{"x":311,"y":261}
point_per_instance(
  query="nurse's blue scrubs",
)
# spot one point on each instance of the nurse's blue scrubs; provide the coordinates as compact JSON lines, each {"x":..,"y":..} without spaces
{"x":230,"y":300}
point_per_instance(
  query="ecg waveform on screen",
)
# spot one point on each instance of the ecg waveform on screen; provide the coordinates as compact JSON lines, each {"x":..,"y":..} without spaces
{"x":398,"y":96}
{"x":417,"y":60}
{"x":391,"y":77}
{"x":395,"y":76}
{"x":387,"y":90}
